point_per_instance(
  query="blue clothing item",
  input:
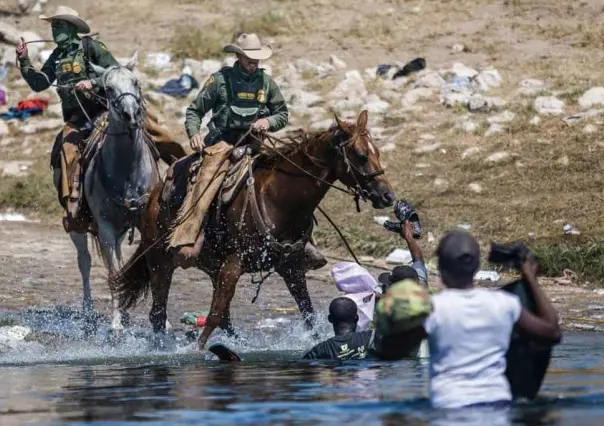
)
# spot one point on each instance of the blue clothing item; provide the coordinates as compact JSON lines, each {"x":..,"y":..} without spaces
{"x":21,"y":114}
{"x":179,"y":87}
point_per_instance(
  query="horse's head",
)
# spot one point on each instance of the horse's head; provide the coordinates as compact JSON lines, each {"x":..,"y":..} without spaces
{"x":123,"y":92}
{"x":358,"y":162}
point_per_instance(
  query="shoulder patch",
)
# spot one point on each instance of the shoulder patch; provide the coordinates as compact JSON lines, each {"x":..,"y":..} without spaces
{"x":209,"y":81}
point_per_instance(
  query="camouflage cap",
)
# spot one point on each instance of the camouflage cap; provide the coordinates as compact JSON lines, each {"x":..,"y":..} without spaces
{"x":405,"y":306}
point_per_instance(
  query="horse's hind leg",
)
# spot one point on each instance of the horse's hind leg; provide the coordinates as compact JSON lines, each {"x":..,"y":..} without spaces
{"x":295,"y":279}
{"x":226,"y":282}
{"x":80,"y":241}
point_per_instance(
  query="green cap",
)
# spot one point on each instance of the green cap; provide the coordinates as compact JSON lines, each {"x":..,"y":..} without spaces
{"x":405,"y":306}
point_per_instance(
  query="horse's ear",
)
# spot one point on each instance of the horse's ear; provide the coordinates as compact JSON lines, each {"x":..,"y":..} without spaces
{"x":133,"y":62}
{"x":362,"y":120}
{"x":97,"y":69}
{"x":339,"y":122}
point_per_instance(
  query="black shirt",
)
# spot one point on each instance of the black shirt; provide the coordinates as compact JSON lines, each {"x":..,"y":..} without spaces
{"x":354,"y":345}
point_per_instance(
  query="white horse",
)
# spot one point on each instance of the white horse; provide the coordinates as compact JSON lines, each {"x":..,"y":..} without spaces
{"x":118,"y":179}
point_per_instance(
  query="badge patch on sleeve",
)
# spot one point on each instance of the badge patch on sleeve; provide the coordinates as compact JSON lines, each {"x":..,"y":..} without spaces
{"x":209,"y":81}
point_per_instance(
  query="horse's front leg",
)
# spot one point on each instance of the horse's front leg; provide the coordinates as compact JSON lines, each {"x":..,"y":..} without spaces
{"x":109,"y":241}
{"x":80,"y":241}
{"x":226,"y":282}
{"x":295,"y":279}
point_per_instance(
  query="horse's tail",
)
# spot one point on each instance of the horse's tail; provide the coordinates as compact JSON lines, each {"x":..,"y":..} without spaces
{"x":132,"y":282}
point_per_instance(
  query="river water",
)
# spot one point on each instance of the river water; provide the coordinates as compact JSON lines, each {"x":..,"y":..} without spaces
{"x":72,"y":381}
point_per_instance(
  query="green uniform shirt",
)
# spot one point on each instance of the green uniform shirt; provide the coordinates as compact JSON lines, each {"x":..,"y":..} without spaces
{"x":236,"y":99}
{"x":68,"y":66}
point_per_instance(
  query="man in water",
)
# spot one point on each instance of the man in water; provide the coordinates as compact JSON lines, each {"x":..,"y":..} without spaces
{"x":347,"y":342}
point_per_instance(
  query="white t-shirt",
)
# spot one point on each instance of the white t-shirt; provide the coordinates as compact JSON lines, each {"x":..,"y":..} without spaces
{"x":469,"y":334}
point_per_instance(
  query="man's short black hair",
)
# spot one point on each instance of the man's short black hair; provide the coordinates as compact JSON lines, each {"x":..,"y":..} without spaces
{"x":343,"y":310}
{"x":399,"y":273}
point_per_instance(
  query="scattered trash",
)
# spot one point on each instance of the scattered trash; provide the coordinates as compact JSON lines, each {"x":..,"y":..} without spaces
{"x":599,"y":291}
{"x":415,"y":65}
{"x":380,"y":220}
{"x":465,"y":226}
{"x":196,"y":319}
{"x":158,"y":60}
{"x":570,"y":230}
{"x":567,"y":278}
{"x":3,"y":72}
{"x":26,"y":109}
{"x":487,"y":276}
{"x":399,"y":256}
{"x":2,"y":97}
{"x":383,"y":69}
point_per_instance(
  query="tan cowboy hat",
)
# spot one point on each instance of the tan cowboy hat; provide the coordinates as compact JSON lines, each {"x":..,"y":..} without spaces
{"x":249,"y":45}
{"x":65,"y":13}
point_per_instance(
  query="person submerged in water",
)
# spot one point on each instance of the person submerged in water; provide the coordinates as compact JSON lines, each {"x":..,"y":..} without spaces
{"x":347,"y":342}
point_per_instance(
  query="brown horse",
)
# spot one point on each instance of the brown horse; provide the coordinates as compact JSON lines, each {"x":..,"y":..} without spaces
{"x":266,"y":226}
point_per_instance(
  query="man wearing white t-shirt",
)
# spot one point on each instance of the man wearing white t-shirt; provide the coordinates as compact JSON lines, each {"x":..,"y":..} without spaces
{"x":469,"y":329}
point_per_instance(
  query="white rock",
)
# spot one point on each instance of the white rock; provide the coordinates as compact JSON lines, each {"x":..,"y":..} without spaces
{"x":458,"y":48}
{"x":300,"y":98}
{"x":375,"y":105}
{"x":4,"y":130}
{"x":498,"y":157}
{"x":439,"y":182}
{"x":461,"y":70}
{"x":15,"y":168}
{"x":590,"y":128}
{"x":160,"y":61}
{"x":594,"y":96}
{"x":478,"y":103}
{"x":424,"y":149}
{"x":321,"y":125}
{"x":451,"y":99}
{"x":429,"y":79}
{"x":563,"y":161}
{"x":352,"y":86}
{"x":470,"y":152}
{"x":475,"y":187}
{"x":158,"y":99}
{"x":54,"y":111}
{"x":370,"y":73}
{"x":466,"y":125}
{"x":337,"y":63}
{"x":531,"y":87}
{"x":583,"y":115}
{"x":388,"y":147}
{"x":504,"y":117}
{"x":399,"y":256}
{"x":203,"y":68}
{"x":494,"y":129}
{"x":535,"y":120}
{"x":41,"y":126}
{"x":414,"y":95}
{"x":488,"y":79}
{"x":549,"y":105}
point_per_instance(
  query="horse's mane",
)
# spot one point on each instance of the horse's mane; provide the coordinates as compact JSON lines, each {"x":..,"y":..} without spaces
{"x":295,"y":142}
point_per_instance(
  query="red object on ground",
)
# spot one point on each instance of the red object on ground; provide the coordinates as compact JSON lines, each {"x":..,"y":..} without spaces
{"x":200,"y":321}
{"x":35,"y":103}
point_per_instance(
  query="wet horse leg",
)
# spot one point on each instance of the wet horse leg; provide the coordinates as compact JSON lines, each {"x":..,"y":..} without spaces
{"x":295,"y":279}
{"x":161,"y":280}
{"x":225,"y":323}
{"x":80,"y":241}
{"x":226,"y":282}
{"x":109,"y":241}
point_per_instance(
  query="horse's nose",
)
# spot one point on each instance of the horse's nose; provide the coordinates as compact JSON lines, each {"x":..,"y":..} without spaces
{"x":388,"y":198}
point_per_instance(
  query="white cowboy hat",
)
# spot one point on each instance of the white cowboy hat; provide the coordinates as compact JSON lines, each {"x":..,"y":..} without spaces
{"x":65,"y":13}
{"x":249,"y":45}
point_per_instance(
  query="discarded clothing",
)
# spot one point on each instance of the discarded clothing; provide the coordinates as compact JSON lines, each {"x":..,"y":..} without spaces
{"x":415,"y":65}
{"x":2,"y":97}
{"x":26,"y":109}
{"x":179,"y":87}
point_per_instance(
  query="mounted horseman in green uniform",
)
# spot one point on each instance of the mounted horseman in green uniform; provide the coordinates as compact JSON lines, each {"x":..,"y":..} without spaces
{"x":82,"y":101}
{"x":240,"y":97}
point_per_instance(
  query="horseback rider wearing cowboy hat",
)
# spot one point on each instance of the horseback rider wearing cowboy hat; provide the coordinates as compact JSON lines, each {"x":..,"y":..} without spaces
{"x":69,"y":65}
{"x":240,"y":97}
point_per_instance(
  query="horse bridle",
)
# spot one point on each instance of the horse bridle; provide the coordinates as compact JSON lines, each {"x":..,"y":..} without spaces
{"x":116,"y":103}
{"x":358,"y":191}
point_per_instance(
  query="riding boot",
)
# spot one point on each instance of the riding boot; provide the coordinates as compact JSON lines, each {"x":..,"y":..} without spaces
{"x":313,"y":258}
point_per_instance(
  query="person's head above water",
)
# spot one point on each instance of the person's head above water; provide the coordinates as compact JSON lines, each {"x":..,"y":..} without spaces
{"x":458,"y":259}
{"x":343,"y":314}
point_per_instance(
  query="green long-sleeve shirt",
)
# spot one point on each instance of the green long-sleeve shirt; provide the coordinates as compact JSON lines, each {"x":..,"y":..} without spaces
{"x":67,"y":65}
{"x":246,"y":89}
